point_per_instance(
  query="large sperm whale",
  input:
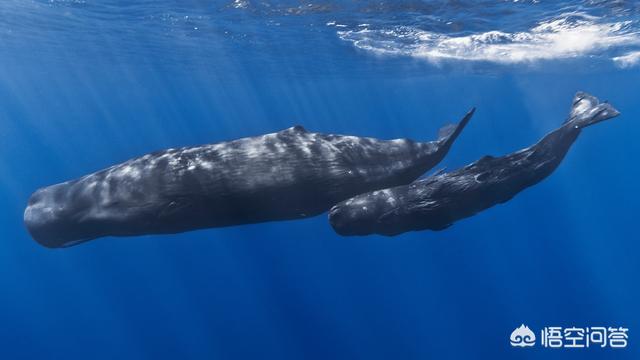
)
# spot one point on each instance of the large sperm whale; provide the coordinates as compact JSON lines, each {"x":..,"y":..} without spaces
{"x":438,"y":201}
{"x":290,"y":174}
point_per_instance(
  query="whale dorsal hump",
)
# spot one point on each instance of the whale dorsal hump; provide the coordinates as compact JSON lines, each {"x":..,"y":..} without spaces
{"x":482,"y":162}
{"x":485,"y":160}
{"x":296,"y":129}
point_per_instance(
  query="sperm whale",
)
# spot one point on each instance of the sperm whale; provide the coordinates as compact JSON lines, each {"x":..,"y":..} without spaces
{"x":436,"y":202}
{"x":290,"y":174}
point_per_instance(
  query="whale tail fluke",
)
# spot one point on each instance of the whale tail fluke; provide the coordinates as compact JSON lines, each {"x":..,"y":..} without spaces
{"x":587,"y":110}
{"x":448,"y":133}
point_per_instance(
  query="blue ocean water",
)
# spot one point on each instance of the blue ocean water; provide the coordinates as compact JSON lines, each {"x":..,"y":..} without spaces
{"x":85,"y":84}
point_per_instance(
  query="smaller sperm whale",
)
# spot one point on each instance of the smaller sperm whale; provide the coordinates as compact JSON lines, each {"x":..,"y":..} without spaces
{"x":290,"y":174}
{"x":436,"y":202}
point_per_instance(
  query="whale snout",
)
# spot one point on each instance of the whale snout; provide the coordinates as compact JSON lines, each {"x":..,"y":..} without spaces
{"x":338,"y":220}
{"x":348,"y":220}
{"x":37,"y":218}
{"x":50,"y":220}
{"x":42,"y":218}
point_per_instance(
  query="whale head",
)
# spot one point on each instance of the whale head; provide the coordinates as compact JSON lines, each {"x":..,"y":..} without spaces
{"x":65,"y":214}
{"x":360,"y":214}
{"x":50,"y":220}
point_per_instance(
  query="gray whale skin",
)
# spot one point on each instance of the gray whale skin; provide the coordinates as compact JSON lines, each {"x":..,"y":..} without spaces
{"x":290,"y":174}
{"x":437,"y":201}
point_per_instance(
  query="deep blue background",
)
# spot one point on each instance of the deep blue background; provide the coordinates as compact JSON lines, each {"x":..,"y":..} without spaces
{"x":563,"y":253}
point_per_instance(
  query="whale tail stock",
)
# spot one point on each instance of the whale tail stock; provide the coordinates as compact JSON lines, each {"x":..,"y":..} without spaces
{"x":587,"y":110}
{"x":448,"y":133}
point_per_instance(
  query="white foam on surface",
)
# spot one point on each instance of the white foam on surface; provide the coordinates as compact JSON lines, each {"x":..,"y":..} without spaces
{"x":569,"y":35}
{"x":628,"y":60}
{"x":240,"y":4}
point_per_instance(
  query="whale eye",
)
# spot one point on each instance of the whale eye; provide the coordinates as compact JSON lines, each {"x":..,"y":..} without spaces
{"x":481,"y":177}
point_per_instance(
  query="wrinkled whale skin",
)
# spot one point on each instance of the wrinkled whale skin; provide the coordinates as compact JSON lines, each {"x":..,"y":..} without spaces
{"x":286,"y":175}
{"x":436,"y":202}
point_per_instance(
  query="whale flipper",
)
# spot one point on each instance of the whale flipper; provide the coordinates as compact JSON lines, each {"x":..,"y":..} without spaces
{"x":587,"y":110}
